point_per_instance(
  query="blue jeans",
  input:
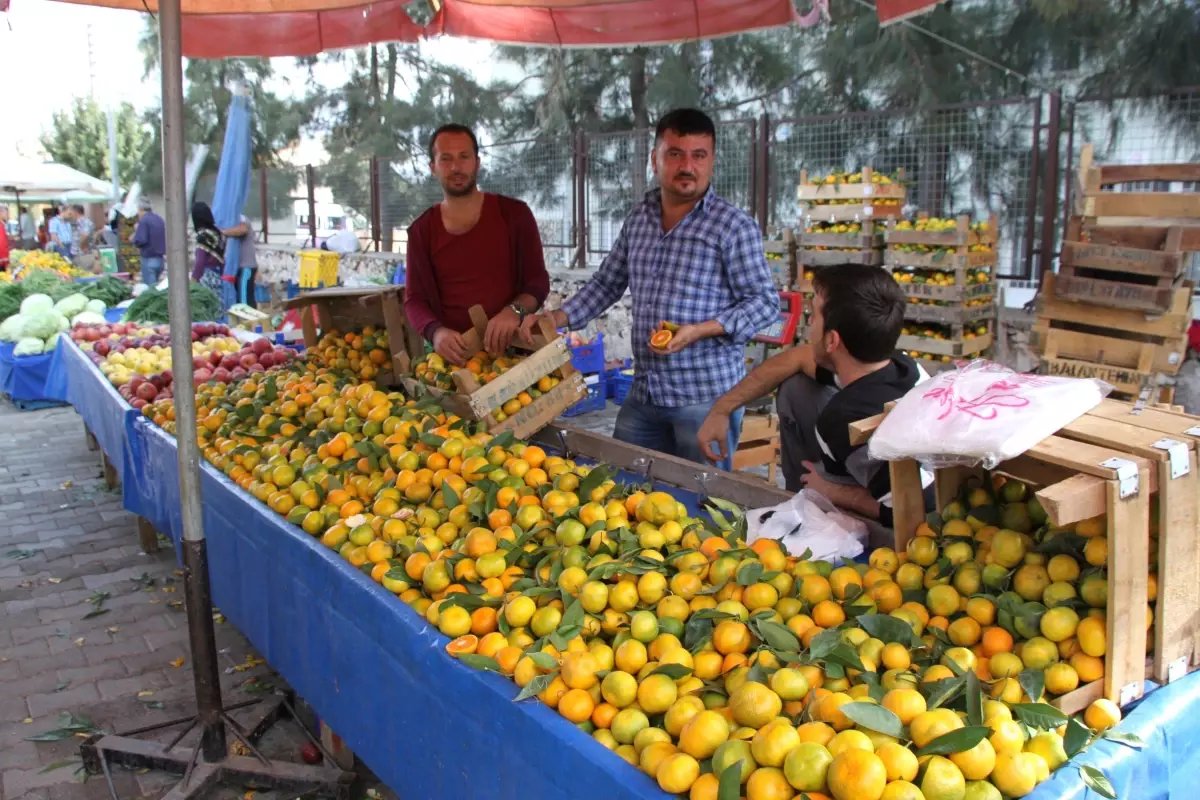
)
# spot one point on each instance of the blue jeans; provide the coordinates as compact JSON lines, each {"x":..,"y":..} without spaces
{"x":152,"y":267}
{"x":673,"y":430}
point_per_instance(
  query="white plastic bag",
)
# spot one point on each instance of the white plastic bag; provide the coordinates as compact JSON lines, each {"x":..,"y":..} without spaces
{"x":809,"y":521}
{"x":981,"y":414}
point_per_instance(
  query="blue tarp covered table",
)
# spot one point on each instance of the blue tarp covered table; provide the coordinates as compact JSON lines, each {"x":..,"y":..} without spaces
{"x":23,"y":378}
{"x":75,"y":379}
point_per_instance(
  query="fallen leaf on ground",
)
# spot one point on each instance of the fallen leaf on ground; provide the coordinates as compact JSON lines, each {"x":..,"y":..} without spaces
{"x":54,"y":580}
{"x":146,"y":693}
{"x":28,"y":720}
{"x":79,"y":641}
{"x":113,"y":629}
{"x":62,"y":686}
{"x":66,"y":485}
{"x":177,"y":662}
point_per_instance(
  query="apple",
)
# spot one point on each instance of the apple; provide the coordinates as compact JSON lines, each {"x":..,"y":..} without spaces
{"x":267,"y":359}
{"x":229,"y":361}
{"x":157,"y":381}
{"x":215,"y":358}
{"x":221,"y":374}
{"x":201,"y":376}
{"x":256,"y":367}
{"x":239,"y":374}
{"x":147,"y":391}
{"x":260,"y":346}
{"x":138,"y":403}
{"x":248,"y":360}
{"x":168,"y":376}
{"x":102,"y":349}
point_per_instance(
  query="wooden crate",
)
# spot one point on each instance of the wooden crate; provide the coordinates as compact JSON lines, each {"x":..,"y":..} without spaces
{"x":1125,"y":347}
{"x":1121,"y":277}
{"x":959,"y":346}
{"x":1094,"y":202}
{"x":961,"y":236}
{"x":758,"y":444}
{"x":1077,"y":480}
{"x":549,"y":356}
{"x":786,"y":250}
{"x":351,"y":309}
{"x":824,"y":258}
{"x":824,"y":193}
{"x":949,"y":315}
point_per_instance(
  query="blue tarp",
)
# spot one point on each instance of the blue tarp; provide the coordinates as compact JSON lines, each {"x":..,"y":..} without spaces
{"x":76,"y":380}
{"x":24,"y":377}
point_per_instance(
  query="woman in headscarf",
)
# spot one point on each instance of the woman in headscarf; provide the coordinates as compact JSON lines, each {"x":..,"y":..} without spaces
{"x":210,"y":248}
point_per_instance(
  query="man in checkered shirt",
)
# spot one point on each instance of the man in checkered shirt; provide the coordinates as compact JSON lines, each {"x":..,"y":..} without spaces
{"x":689,"y":257}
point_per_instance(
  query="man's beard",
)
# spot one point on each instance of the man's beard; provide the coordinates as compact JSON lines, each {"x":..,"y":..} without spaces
{"x":454,"y":191}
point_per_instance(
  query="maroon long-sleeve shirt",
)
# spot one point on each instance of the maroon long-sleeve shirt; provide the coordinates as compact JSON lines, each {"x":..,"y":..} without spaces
{"x":489,"y":265}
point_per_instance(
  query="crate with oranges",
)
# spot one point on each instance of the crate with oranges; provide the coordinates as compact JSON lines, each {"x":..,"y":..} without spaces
{"x":521,"y":391}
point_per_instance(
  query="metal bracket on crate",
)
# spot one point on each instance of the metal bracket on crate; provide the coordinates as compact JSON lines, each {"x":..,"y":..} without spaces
{"x":567,"y":452}
{"x":702,"y":479}
{"x":1177,"y":669}
{"x":1127,"y":475}
{"x":1177,"y":455}
{"x":645,"y":465}
{"x":1129,"y":693}
{"x":1193,"y":431}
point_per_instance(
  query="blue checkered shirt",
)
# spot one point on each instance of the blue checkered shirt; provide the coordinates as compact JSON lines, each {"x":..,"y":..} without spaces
{"x":708,"y":267}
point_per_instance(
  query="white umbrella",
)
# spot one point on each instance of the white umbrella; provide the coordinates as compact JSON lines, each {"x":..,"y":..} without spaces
{"x":48,"y":178}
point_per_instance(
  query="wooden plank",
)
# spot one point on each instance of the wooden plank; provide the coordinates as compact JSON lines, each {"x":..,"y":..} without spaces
{"x":1081,"y":457}
{"x":1074,"y":702}
{"x":759,"y":426}
{"x":1076,"y":498}
{"x":826,"y":258}
{"x":1133,"y":173}
{"x":1033,"y":471}
{"x":394,"y":321}
{"x":111,"y":479}
{"x":949,"y":315}
{"x":309,"y":326}
{"x":1123,"y":379}
{"x":946,"y":261}
{"x":827,"y":192}
{"x":1172,"y":324}
{"x":1167,"y":357}
{"x":339,"y":293}
{"x":861,"y":431}
{"x":520,"y":377}
{"x":744,"y":490}
{"x":1142,"y":233}
{"x":850,"y":213}
{"x":1128,"y":548}
{"x":1155,"y":263}
{"x":1172,"y":422}
{"x":1143,"y":204}
{"x":1176,"y":628}
{"x":941,"y":347}
{"x":956,"y":293}
{"x":543,"y":410}
{"x":855,"y":241}
{"x":754,"y":454}
{"x":908,"y":501}
{"x":1117,"y":294}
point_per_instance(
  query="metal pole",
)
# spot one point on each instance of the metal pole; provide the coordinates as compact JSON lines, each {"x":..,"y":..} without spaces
{"x":112,"y":155}
{"x":376,"y":227}
{"x":1031,"y":214}
{"x":1050,"y":198}
{"x":1069,"y":170}
{"x":753,"y":187}
{"x":581,"y":198}
{"x":312,"y":205}
{"x":205,"y":669}
{"x":764,"y":171}
{"x":263,"y":211}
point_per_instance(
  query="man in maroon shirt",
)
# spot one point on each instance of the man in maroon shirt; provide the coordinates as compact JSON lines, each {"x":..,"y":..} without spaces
{"x":473,"y":248}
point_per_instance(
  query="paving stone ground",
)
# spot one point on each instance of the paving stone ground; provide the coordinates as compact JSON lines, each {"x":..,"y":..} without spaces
{"x":67,"y":551}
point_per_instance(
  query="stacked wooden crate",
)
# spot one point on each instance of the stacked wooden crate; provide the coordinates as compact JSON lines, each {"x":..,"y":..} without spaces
{"x":781,"y":258}
{"x":844,"y":217}
{"x":946,"y":268}
{"x":1119,"y":307}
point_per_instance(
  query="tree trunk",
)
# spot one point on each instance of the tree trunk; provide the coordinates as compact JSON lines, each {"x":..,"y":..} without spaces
{"x":933,"y":164}
{"x":392,"y":56}
{"x":374,"y":77}
{"x":641,"y":120}
{"x":386,"y":209}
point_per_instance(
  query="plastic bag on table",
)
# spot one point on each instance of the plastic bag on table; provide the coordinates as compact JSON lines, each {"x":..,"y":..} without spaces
{"x":809,"y":521}
{"x":981,"y":413}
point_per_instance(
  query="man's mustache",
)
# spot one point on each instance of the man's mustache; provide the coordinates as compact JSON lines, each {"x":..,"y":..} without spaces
{"x":685,"y":175}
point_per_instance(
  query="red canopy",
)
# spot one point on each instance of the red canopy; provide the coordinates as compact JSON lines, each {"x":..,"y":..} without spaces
{"x":895,"y":10}
{"x":569,"y":23}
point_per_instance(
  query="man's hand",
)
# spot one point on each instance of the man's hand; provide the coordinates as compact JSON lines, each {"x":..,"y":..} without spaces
{"x":500,"y":331}
{"x":715,"y":428}
{"x":688,"y":335}
{"x":557,"y":319}
{"x":812,"y":479}
{"x":450,"y":345}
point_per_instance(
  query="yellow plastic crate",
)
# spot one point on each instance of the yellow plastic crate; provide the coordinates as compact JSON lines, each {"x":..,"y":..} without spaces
{"x":318,"y":268}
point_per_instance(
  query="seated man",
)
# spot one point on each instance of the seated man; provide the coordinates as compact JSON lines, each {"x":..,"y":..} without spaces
{"x":847,"y":373}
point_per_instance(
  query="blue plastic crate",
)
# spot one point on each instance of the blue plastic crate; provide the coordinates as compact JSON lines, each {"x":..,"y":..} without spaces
{"x":621,"y":386}
{"x":612,"y":375}
{"x":262,"y":294}
{"x":293,"y":289}
{"x":594,"y":401}
{"x":589,"y":358}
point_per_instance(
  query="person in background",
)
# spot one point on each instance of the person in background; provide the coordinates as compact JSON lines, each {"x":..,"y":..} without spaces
{"x":150,"y":238}
{"x":29,"y":235}
{"x":61,"y":231}
{"x":473,"y":248}
{"x":343,"y":240}
{"x":691,"y":258}
{"x":247,"y":261}
{"x":210,"y":248}
{"x":848,"y":373}
{"x":84,"y":227}
{"x":3,"y":237}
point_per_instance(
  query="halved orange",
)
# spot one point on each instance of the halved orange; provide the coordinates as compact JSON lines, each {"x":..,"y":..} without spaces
{"x":463,"y":644}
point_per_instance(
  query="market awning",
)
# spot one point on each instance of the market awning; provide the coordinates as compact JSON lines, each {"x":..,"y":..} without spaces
{"x":270,"y":28}
{"x":581,"y":23}
{"x":48,"y":179}
{"x":896,"y":10}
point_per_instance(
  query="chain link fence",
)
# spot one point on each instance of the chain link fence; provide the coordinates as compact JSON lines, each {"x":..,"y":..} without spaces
{"x":542,"y":173}
{"x":972,"y":159}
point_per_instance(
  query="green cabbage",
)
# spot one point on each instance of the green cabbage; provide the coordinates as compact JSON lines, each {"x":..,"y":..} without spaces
{"x":96,"y":306}
{"x":40,"y":325}
{"x":10,"y":329}
{"x":35,"y":303}
{"x":71,"y":305}
{"x":61,"y":322}
{"x":28,"y":346}
{"x":52,"y":342}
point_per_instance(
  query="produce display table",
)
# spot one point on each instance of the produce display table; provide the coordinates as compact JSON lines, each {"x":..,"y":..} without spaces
{"x":76,"y":380}
{"x":430,"y":726}
{"x":24,"y":379}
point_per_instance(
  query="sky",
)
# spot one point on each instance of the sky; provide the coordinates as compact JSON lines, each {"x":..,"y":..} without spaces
{"x":67,"y":51}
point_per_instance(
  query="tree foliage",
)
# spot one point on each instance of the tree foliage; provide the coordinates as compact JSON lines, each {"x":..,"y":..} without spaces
{"x":79,"y":139}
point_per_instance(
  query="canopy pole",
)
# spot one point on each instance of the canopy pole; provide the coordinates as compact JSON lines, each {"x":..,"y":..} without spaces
{"x":205,"y":669}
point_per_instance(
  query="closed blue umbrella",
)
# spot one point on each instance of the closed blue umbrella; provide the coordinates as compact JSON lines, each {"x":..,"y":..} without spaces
{"x":229,"y":196}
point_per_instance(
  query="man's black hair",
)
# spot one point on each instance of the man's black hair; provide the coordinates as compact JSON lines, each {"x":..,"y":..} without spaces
{"x":864,"y":305}
{"x":685,"y":122}
{"x":452,"y":127}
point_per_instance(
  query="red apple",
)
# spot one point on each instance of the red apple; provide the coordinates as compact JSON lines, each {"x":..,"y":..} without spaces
{"x":147,"y":391}
{"x":201,"y":376}
{"x":256,"y":367}
{"x":138,"y":403}
{"x":267,"y":359}
{"x":215,"y":358}
{"x":260,"y":346}
{"x":229,"y":361}
{"x":238,"y":374}
{"x":248,"y":360}
{"x":221,"y":374}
